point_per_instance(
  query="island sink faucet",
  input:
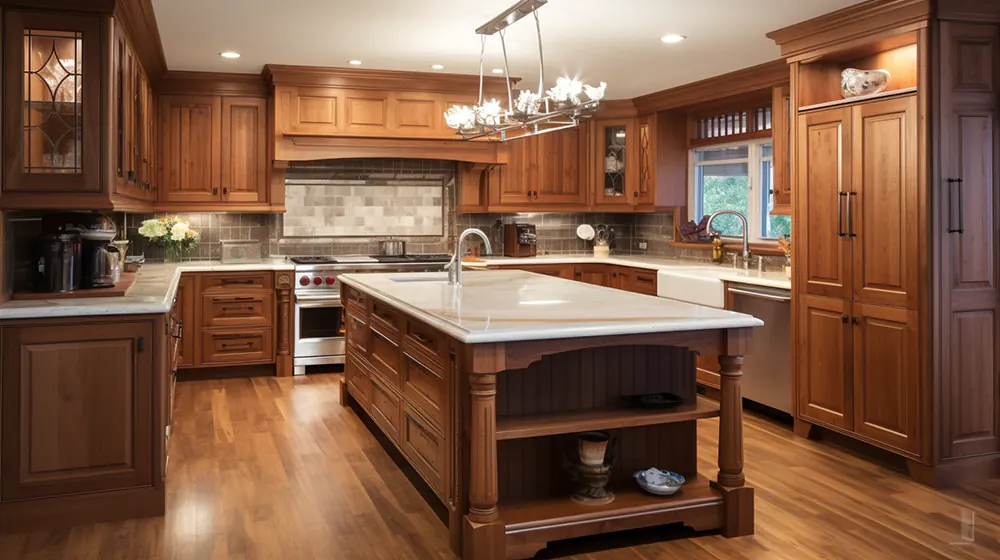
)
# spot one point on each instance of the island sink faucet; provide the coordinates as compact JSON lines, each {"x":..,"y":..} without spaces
{"x":746,"y":243}
{"x":455,"y":266}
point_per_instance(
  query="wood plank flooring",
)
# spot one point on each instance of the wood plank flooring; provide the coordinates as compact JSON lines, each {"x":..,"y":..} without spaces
{"x":275,"y":468}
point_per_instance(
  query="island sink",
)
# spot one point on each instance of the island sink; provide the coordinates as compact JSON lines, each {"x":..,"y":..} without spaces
{"x":484,"y":395}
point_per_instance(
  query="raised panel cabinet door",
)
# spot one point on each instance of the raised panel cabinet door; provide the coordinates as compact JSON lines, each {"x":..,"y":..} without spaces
{"x":514,"y":187}
{"x":781,"y":109}
{"x":308,"y":110}
{"x":77,"y":408}
{"x":366,"y":113}
{"x":823,"y":364}
{"x":596,"y":274}
{"x":887,"y":379}
{"x":191,"y":128}
{"x":966,"y":221}
{"x":416,"y":114}
{"x":558,"y":180}
{"x":244,"y":149}
{"x":824,"y":181}
{"x":882,"y":207}
{"x":52,"y":141}
{"x":186,"y":307}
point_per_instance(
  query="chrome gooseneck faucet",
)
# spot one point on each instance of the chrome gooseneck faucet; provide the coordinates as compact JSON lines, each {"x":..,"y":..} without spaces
{"x":455,"y":266}
{"x":746,"y":243}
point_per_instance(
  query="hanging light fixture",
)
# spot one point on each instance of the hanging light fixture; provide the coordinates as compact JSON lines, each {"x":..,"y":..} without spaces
{"x":534,"y":112}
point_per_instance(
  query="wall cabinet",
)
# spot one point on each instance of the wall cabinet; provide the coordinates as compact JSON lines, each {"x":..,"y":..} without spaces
{"x":52,"y":89}
{"x":615,"y":163}
{"x":542,"y":172}
{"x":133,"y":139}
{"x":213,"y":150}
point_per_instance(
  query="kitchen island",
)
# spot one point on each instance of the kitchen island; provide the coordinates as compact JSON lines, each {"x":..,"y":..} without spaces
{"x":482,"y":387}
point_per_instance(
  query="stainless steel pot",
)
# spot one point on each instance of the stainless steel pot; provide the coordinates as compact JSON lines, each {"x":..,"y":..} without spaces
{"x":392,"y":247}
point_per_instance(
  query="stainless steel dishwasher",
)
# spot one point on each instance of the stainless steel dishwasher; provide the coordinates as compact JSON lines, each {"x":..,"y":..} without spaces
{"x":767,"y":370}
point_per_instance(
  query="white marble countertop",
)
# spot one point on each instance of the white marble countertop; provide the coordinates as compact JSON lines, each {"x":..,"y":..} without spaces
{"x":691,"y":267}
{"x":152,"y":292}
{"x":513,"y":305}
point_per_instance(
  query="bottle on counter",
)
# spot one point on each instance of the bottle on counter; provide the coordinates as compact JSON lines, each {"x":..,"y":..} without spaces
{"x":717,"y":247}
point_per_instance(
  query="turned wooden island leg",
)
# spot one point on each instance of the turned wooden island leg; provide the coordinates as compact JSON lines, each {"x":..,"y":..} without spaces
{"x":482,"y":531}
{"x":738,"y":499}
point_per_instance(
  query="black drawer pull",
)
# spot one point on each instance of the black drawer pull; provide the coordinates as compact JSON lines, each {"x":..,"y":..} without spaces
{"x":238,"y":308}
{"x":953,"y":185}
{"x":242,"y":345}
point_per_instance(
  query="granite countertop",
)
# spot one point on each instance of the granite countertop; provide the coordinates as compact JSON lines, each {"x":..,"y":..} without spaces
{"x":513,"y":305}
{"x":687,"y":267}
{"x":152,"y":292}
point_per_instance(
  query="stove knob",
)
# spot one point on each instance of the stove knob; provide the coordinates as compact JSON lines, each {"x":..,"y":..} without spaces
{"x":317,"y":280}
{"x":304,"y":281}
{"x":330,"y":280}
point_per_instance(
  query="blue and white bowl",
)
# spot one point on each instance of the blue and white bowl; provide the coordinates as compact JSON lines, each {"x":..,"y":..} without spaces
{"x":659,"y":482}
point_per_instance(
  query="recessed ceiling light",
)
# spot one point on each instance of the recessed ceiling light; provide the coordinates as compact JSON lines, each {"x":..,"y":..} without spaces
{"x":671,"y":38}
{"x":437,"y":67}
{"x":354,"y":62}
{"x":498,"y":70}
{"x":229,"y":54}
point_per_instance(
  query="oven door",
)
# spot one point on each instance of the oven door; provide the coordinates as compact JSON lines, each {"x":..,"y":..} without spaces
{"x":319,"y":331}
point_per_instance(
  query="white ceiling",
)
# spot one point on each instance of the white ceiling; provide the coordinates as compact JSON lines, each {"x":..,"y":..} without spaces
{"x":616,"y":41}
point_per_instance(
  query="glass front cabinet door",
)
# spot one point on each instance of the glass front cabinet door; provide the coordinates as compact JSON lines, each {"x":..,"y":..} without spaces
{"x":616,"y":173}
{"x":52,"y":78}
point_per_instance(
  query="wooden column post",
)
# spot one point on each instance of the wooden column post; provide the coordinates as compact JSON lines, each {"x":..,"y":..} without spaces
{"x":283,"y":358}
{"x":738,"y":517}
{"x":731,"y":422}
{"x":483,"y":532}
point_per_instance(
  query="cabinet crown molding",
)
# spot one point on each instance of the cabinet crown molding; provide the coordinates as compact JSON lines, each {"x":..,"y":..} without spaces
{"x":760,"y":77}
{"x":866,"y":18}
{"x":351,"y":78}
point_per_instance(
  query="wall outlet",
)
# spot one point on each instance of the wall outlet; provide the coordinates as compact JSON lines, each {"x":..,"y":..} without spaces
{"x":642,"y":245}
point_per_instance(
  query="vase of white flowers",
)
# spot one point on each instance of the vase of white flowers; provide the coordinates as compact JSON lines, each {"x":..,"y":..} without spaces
{"x":173,"y":234}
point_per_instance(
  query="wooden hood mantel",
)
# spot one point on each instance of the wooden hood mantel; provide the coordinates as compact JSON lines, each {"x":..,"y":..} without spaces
{"x":336,"y":113}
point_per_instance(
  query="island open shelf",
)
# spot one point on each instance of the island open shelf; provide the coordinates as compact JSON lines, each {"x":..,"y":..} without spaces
{"x":487,"y":399}
{"x":602,"y":419}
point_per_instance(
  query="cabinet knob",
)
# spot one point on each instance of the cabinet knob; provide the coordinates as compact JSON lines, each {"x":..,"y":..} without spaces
{"x":225,"y":191}
{"x":855,"y":320}
{"x":215,"y":190}
{"x":843,"y":319}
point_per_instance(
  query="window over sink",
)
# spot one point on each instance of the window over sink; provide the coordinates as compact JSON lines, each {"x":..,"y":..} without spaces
{"x":740,"y":177}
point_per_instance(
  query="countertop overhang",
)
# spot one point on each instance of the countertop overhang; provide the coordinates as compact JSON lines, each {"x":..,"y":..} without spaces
{"x":152,"y":292}
{"x":514,"y":305}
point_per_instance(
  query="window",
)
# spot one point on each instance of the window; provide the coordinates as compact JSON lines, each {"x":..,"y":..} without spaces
{"x":737,"y":177}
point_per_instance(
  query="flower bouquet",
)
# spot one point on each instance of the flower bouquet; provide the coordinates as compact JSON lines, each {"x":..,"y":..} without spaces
{"x":174,"y":234}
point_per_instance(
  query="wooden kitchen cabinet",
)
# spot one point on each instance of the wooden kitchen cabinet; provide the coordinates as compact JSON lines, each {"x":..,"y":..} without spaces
{"x":186,"y":305}
{"x":882,"y":204}
{"x":542,"y":172}
{"x":825,"y":178}
{"x":620,"y":278}
{"x":133,"y":141}
{"x":781,"y":124}
{"x":83,"y":419}
{"x":191,"y":148}
{"x":213,"y":150}
{"x":597,"y":274}
{"x":244,"y":149}
{"x":825,"y":350}
{"x":887,"y":391}
{"x":615,"y":163}
{"x":52,"y":111}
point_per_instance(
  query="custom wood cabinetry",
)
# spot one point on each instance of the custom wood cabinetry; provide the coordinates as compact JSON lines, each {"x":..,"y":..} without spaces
{"x":214,"y":150}
{"x":542,"y":172}
{"x":910,"y":255}
{"x":83,"y":420}
{"x":597,"y":274}
{"x":134,"y":139}
{"x":186,"y":306}
{"x":638,"y":280}
{"x":615,"y":162}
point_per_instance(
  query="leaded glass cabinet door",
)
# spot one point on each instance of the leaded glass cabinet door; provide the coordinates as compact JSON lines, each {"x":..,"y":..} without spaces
{"x":616,"y":169}
{"x":53,"y":91}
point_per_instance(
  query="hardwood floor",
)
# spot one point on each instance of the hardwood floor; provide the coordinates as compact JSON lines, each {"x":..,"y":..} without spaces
{"x":276,"y":468}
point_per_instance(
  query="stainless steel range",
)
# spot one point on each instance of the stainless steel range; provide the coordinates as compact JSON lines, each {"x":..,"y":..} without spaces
{"x":319,"y":312}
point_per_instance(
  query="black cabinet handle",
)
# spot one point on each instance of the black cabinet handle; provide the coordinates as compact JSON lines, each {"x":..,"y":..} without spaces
{"x":215,"y":190}
{"x":843,"y":319}
{"x":840,"y":215}
{"x":956,"y":185}
{"x":855,"y":320}
{"x":850,"y":215}
{"x":225,"y":191}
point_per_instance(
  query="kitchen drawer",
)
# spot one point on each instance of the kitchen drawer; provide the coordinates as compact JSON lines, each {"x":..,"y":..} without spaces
{"x":358,"y":380}
{"x":424,"y":448}
{"x":237,"y":310}
{"x":425,"y":389}
{"x":644,"y":282}
{"x":353,"y":297}
{"x":358,"y":334}
{"x":426,"y":344}
{"x":385,"y":357}
{"x":386,"y":320}
{"x":243,"y":345}
{"x":227,"y":281}
{"x":385,"y":409}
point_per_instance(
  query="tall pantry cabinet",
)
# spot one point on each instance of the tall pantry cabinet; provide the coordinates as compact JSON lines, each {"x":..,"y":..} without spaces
{"x":895,"y":233}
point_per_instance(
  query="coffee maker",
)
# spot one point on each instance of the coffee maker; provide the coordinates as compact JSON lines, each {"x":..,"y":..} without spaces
{"x":519,"y":240}
{"x":96,"y":231}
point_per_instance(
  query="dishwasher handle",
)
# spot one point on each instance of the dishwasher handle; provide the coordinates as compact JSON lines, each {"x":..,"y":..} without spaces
{"x":762,"y":295}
